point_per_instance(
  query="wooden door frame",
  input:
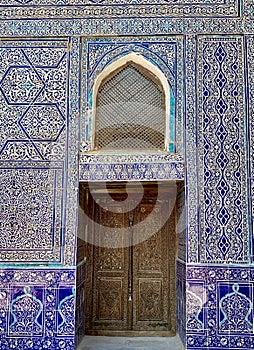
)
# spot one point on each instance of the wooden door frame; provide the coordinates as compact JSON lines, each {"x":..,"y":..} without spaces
{"x":100,"y":190}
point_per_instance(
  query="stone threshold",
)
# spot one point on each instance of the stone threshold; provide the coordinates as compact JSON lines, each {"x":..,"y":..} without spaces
{"x":130,"y":343}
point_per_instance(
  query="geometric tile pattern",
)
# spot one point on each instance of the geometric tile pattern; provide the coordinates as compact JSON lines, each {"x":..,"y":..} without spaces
{"x":37,"y":306}
{"x":31,"y":305}
{"x":224,"y":224}
{"x":33,"y":90}
{"x":227,"y":307}
{"x":219,"y":299}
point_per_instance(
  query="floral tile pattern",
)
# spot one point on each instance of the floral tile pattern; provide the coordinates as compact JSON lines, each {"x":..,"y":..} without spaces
{"x":31,"y":215}
{"x":32,"y":308}
{"x":223,"y":303}
{"x":222,"y":156}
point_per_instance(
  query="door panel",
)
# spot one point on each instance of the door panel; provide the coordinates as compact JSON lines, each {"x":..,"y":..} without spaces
{"x":110,"y":269}
{"x":130,"y":286}
{"x":151,"y":272}
{"x":150,"y":300}
{"x":110,"y":299}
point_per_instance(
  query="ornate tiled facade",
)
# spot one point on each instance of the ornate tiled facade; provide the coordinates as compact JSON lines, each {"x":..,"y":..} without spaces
{"x":51,"y":54}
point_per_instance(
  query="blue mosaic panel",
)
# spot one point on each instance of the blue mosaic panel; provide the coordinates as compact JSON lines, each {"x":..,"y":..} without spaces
{"x":21,"y":322}
{"x":222,"y":306}
{"x":33,"y":313}
{"x":222,"y":155}
{"x":66,"y":307}
{"x":195,"y":300}
{"x":235,"y":308}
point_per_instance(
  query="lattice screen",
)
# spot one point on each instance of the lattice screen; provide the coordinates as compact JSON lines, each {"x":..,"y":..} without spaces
{"x":130,"y":112}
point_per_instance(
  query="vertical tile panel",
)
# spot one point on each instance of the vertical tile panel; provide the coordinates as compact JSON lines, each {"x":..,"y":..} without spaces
{"x":222,"y":150}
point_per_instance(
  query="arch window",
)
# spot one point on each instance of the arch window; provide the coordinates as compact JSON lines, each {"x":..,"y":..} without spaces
{"x":130,"y":110}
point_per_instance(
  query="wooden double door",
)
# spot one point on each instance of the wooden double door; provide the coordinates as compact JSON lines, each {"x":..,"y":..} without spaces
{"x":130,"y":278}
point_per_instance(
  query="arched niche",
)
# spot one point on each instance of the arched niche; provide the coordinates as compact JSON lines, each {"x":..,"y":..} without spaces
{"x":145,"y":68}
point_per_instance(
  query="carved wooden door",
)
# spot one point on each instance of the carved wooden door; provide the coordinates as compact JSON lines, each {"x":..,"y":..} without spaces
{"x":128,"y":286}
{"x":151,"y":308}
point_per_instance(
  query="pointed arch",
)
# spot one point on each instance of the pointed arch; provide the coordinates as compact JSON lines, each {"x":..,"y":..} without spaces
{"x":145,"y":65}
